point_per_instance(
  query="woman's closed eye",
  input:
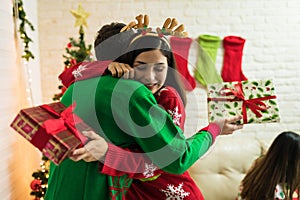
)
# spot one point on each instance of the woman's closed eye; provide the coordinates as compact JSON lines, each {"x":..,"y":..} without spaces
{"x":141,"y":67}
{"x":159,"y":67}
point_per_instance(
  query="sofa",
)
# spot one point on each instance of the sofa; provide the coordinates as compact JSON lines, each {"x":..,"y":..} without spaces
{"x":219,"y":172}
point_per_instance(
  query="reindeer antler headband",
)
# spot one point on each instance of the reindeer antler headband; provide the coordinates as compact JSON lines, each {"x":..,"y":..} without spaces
{"x":139,"y":25}
{"x":167,"y":28}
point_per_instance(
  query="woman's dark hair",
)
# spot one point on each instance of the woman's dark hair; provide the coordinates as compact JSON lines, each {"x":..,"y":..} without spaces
{"x":280,"y":165}
{"x":151,"y":41}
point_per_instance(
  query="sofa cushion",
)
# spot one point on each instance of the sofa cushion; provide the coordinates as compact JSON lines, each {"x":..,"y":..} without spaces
{"x":219,"y":172}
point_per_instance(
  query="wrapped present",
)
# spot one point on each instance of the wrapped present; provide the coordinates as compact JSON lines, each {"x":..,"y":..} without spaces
{"x":255,"y":101}
{"x":54,"y":129}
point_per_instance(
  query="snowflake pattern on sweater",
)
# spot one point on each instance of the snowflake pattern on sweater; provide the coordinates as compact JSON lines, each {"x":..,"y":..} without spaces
{"x":149,"y":170}
{"x":169,"y":99}
{"x":77,"y":72}
{"x":175,"y":115}
{"x":173,"y":192}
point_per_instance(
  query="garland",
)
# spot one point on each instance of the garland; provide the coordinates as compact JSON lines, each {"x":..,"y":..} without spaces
{"x":19,"y":13}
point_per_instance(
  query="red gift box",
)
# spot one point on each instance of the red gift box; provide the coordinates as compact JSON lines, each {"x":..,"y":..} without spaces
{"x":54,"y":129}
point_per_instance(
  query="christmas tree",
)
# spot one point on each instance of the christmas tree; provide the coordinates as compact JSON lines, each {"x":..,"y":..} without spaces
{"x":76,"y":51}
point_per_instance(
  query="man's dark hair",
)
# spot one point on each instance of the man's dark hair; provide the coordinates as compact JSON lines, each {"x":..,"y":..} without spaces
{"x":110,"y":43}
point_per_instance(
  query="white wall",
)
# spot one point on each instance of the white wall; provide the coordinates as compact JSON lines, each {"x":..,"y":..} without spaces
{"x":34,"y":64}
{"x":18,"y":159}
{"x":271,"y":29}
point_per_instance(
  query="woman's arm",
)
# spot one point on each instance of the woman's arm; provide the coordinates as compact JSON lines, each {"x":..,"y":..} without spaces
{"x":164,"y":142}
{"x":120,"y":161}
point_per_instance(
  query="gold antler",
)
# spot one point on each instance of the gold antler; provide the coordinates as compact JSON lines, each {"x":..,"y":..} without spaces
{"x":173,"y":24}
{"x":146,"y":21}
{"x":139,"y":24}
{"x":168,"y":27}
{"x":139,"y":18}
{"x":167,"y":23}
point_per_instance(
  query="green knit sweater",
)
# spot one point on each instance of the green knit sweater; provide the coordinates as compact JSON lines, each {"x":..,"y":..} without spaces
{"x":125,"y":113}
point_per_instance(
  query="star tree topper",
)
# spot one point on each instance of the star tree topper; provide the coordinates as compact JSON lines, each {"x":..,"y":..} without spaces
{"x":81,"y":15}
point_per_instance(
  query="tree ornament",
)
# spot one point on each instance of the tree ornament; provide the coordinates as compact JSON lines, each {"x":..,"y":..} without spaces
{"x":35,"y":184}
{"x":81,"y":15}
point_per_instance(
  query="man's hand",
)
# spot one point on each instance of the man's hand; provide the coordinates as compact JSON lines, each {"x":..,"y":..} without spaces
{"x":94,"y":150}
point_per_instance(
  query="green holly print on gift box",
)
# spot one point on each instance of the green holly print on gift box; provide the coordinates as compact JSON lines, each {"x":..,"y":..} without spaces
{"x":254,"y":100}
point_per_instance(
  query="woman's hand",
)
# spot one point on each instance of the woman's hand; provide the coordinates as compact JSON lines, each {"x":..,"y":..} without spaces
{"x":121,"y":70}
{"x":229,"y":125}
{"x":94,"y":150}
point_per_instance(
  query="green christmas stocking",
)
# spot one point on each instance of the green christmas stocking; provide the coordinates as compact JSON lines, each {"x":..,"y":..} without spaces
{"x":206,"y":72}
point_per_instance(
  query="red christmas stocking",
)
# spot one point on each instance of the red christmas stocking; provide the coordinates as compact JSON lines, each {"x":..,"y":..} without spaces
{"x":180,"y":48}
{"x":232,"y":62}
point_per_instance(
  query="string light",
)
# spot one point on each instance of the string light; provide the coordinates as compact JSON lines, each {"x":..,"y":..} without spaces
{"x":29,"y":93}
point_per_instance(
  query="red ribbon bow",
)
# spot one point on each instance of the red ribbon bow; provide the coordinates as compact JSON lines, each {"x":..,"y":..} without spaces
{"x":64,"y":120}
{"x":255,"y":105}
